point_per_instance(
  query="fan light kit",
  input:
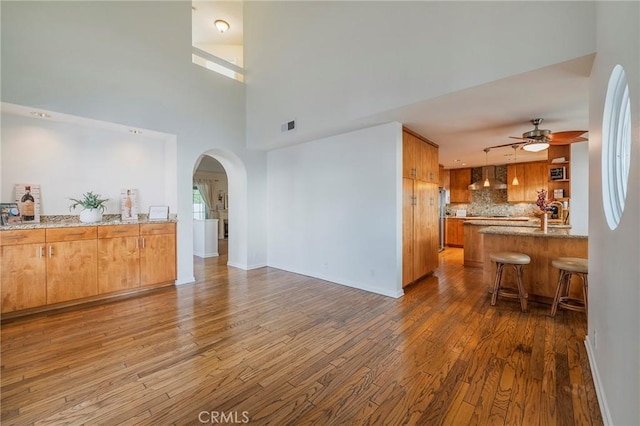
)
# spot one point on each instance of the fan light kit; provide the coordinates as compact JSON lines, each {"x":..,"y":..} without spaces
{"x":537,"y":140}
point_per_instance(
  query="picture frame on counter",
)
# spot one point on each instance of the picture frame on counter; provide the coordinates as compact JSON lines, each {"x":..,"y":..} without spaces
{"x":159,"y":213}
{"x":557,"y":173}
{"x":129,"y":204}
{"x":10,"y":214}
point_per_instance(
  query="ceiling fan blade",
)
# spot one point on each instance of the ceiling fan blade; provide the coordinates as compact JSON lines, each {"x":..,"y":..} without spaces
{"x":567,"y":141}
{"x":567,"y":136}
{"x":522,"y":139}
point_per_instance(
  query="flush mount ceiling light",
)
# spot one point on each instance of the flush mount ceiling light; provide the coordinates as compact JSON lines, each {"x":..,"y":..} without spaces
{"x":40,"y":114}
{"x":135,"y":131}
{"x":221,"y":25}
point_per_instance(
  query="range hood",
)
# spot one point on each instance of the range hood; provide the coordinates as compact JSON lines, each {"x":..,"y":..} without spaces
{"x":488,"y":172}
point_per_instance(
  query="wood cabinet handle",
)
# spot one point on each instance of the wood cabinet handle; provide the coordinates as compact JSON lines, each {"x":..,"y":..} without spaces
{"x":143,"y":242}
{"x":73,"y":234}
{"x":50,"y":251}
{"x":41,"y":251}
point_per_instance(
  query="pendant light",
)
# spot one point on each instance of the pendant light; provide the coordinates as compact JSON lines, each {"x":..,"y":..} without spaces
{"x":486,"y":183}
{"x":515,"y":181}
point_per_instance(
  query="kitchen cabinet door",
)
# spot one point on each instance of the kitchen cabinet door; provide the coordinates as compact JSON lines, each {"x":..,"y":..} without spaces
{"x":407,"y":231}
{"x":72,"y":270}
{"x":532,"y":178}
{"x":410,"y":156}
{"x":23,"y":278}
{"x":118,"y":258}
{"x":157,"y":253}
{"x":460,"y":181}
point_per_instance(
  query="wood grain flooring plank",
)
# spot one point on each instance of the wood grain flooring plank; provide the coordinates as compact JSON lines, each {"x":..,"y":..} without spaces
{"x":294,"y":350}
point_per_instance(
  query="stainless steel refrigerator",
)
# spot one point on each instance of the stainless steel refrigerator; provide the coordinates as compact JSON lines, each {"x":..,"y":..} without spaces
{"x":442,"y":212}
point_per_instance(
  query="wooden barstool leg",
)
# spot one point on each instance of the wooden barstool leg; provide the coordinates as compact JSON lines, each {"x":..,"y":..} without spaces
{"x":523,"y":294}
{"x":496,"y":283}
{"x":556,"y":299}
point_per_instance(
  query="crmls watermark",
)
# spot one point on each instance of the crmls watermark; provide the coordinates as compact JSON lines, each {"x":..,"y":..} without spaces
{"x":214,"y":417}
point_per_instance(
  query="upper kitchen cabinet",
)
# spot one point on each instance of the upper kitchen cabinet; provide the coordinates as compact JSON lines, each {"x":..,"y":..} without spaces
{"x":460,"y":179}
{"x":532,"y":177}
{"x":445,"y":178}
{"x":420,"y":158}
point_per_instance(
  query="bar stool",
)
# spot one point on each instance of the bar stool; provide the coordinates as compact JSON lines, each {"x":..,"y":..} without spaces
{"x":568,"y":267}
{"x":517,"y":261}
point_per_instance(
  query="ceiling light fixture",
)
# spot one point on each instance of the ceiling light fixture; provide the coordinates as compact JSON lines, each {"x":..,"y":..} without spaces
{"x":515,"y":181}
{"x":135,"y":131}
{"x":536,"y":146}
{"x":40,"y":114}
{"x":221,"y":25}
{"x":486,"y":183}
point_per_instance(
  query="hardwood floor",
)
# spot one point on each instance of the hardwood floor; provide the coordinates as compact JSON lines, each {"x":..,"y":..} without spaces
{"x":271,"y":347}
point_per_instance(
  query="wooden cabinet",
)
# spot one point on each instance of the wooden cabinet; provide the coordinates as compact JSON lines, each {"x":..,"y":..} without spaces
{"x":445,"y":179}
{"x":118,"y":258}
{"x":532,"y":177}
{"x":63,"y":266}
{"x":419,"y":158}
{"x":72,"y":262}
{"x":421,"y":176}
{"x":420,"y":229}
{"x":157,"y":253}
{"x":557,"y":151}
{"x":454,"y":233}
{"x":460,"y":179}
{"x":23,"y":264}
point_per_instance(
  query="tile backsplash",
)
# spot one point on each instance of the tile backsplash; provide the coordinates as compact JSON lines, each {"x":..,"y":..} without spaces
{"x":492,"y":202}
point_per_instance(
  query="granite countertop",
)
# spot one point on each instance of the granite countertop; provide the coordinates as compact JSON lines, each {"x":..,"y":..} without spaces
{"x":71,"y":224}
{"x":533,"y":223}
{"x":504,"y":219}
{"x":553,"y":232}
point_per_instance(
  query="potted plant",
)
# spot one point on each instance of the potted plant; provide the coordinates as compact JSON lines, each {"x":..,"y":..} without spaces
{"x":93,"y":207}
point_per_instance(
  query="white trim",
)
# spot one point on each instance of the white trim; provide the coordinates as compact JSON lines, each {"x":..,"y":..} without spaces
{"x":344,"y":282}
{"x":185,"y":281}
{"x":246,"y":267}
{"x":602,"y":400}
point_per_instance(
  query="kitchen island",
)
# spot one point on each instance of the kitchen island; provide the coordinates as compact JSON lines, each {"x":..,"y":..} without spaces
{"x":540,"y":278}
{"x":473,"y":251}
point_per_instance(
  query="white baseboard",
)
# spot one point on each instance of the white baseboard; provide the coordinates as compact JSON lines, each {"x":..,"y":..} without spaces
{"x":602,"y":400}
{"x":187,"y":280}
{"x":205,"y":255}
{"x":246,"y":267}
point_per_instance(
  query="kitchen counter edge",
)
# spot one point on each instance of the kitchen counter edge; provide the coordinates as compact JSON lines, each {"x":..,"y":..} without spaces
{"x":531,"y":232}
{"x":77,"y":224}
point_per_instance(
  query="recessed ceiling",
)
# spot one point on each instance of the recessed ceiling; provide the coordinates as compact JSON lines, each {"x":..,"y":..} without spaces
{"x":465,"y":122}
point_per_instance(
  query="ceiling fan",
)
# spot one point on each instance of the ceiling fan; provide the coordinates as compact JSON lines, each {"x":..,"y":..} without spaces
{"x":539,"y":139}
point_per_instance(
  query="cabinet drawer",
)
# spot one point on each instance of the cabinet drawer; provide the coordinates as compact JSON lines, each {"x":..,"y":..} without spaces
{"x":112,"y":231}
{"x":71,"y":234}
{"x":157,"y":228}
{"x":21,"y":236}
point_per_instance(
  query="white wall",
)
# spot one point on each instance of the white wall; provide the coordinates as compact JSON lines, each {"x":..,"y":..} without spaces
{"x":579,"y":213}
{"x":335,"y":209}
{"x":69,"y":159}
{"x":614,"y":256}
{"x":130,"y":63}
{"x":330,"y":64}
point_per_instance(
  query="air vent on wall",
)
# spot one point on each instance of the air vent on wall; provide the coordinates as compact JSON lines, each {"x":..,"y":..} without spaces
{"x":289,"y":126}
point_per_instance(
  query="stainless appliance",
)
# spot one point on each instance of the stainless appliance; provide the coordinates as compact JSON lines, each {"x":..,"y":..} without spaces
{"x":442,"y":212}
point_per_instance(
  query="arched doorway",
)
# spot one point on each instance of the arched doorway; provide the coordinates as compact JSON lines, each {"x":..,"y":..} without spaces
{"x":232,"y":203}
